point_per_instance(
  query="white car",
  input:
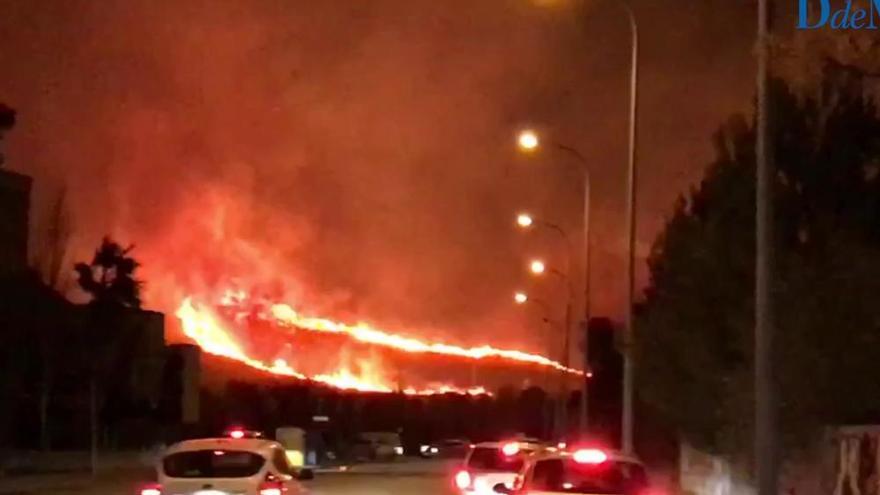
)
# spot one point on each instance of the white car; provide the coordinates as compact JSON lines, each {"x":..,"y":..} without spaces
{"x":226,"y":466}
{"x":585,"y":471}
{"x":488,"y":464}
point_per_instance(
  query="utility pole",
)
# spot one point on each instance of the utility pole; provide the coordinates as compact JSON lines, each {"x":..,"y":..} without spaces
{"x":563,"y":426}
{"x":765,"y":411}
{"x":632,"y":178}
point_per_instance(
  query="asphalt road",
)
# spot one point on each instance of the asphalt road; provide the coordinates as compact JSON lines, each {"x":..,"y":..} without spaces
{"x":416,"y":478}
{"x":389,"y":484}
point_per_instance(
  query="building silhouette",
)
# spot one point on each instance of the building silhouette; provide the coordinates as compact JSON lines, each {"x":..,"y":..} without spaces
{"x":15,"y":193}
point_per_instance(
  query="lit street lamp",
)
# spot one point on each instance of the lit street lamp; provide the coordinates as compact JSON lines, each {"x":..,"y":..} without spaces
{"x":537,"y":267}
{"x":524,"y":220}
{"x":529,"y":141}
{"x":522,"y":298}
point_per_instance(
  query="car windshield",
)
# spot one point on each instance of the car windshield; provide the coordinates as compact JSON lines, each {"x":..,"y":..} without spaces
{"x":567,"y":476}
{"x":213,"y":464}
{"x":492,"y":459}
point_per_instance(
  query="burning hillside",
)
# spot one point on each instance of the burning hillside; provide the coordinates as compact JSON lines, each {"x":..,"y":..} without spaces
{"x":231,"y":285}
{"x":273,"y":337}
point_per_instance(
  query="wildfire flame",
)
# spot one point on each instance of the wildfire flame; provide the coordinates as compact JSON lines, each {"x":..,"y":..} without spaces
{"x":284,"y":315}
{"x":258,"y":327}
{"x":208,"y":330}
{"x":361,"y":332}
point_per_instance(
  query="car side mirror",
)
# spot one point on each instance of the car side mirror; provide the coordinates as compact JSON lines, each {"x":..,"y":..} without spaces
{"x":305,"y":474}
{"x":502,"y":488}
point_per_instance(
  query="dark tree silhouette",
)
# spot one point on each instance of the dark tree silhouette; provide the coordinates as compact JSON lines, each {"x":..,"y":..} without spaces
{"x":109,"y":278}
{"x":694,"y":332}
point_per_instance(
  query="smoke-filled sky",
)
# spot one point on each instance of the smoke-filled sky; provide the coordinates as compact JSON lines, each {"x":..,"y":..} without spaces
{"x":357,"y":156}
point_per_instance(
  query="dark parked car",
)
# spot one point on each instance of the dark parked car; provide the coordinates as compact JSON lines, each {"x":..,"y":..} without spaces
{"x":449,"y":448}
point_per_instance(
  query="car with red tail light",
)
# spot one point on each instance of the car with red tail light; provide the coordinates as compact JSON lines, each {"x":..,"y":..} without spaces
{"x":491,"y":463}
{"x":238,"y":432}
{"x":227,"y":466}
{"x":586,"y":471}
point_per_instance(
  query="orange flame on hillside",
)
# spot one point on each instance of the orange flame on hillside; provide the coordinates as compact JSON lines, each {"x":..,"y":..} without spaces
{"x":284,"y":315}
{"x":208,"y":330}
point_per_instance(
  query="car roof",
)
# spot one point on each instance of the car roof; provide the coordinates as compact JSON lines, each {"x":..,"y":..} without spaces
{"x":498,"y":445}
{"x":260,"y":445}
{"x":613,"y":455}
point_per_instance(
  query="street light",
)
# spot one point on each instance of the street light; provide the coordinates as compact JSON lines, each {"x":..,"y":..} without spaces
{"x":627,"y":416}
{"x":537,"y":267}
{"x":534,"y":143}
{"x":528,"y":140}
{"x":522,"y":298}
{"x":524,"y":220}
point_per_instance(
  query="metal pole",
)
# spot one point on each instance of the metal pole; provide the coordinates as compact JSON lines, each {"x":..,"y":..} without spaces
{"x":566,"y":337}
{"x":561,"y":413}
{"x":585,"y":382}
{"x":588,"y":180}
{"x":563,"y":375}
{"x":765,"y":431}
{"x":628,"y":368}
{"x":562,"y":404}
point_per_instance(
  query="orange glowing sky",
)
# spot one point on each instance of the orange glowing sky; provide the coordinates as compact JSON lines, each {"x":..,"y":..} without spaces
{"x":357,"y":157}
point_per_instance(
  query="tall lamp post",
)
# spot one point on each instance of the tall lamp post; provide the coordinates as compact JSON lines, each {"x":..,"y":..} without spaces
{"x":765,"y":412}
{"x":529,"y":141}
{"x":539,"y":268}
{"x":628,"y":392}
{"x":523,"y":298}
{"x":532,"y":141}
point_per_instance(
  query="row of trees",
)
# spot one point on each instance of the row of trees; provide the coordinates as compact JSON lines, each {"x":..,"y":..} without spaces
{"x":695,"y":326}
{"x":50,"y":347}
{"x":46,"y":344}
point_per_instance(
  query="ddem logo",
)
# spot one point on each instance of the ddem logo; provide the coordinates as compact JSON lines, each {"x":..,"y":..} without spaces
{"x":815,"y":14}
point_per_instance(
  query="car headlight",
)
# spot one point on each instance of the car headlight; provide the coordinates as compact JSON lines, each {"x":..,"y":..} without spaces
{"x":424,"y":448}
{"x":398,"y":450}
{"x":434,"y":450}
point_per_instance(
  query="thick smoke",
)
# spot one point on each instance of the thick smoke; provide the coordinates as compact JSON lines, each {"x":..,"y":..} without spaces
{"x":356,"y":156}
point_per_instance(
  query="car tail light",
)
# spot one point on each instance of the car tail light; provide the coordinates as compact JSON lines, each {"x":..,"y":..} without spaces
{"x":510,"y":449}
{"x":152,"y":489}
{"x":462,"y":480}
{"x":237,"y":434}
{"x":590,"y":456}
{"x":271,"y":488}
